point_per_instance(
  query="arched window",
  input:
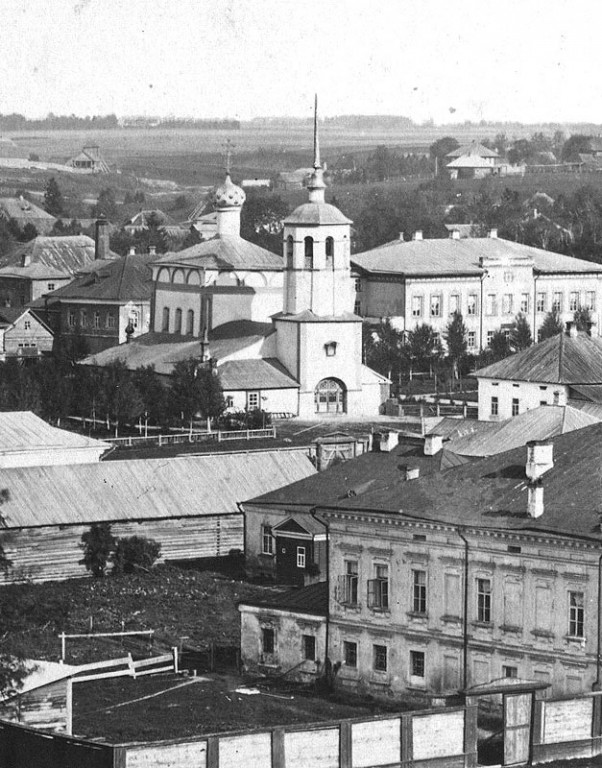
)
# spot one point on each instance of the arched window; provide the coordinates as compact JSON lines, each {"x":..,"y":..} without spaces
{"x":165,"y":326}
{"x":309,"y":253}
{"x":289,"y":251}
{"x":190,"y":322}
{"x":178,"y":325}
{"x":329,"y":396}
{"x":330,"y":252}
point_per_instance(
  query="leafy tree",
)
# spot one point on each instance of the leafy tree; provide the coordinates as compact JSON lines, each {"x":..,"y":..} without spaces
{"x":133,"y":553}
{"x":195,"y":388}
{"x":499,"y":346}
{"x":153,"y":394}
{"x":261,"y":220}
{"x":71,"y":347}
{"x":442,"y":147}
{"x":53,"y":198}
{"x":520,"y":334}
{"x":381,"y":163}
{"x":574,"y":146}
{"x":98,"y":543}
{"x":192,"y":238}
{"x":455,"y":337}
{"x":423,"y":348}
{"x":383,"y":347}
{"x":582,"y":319}
{"x":551,"y":326}
{"x":106,"y":205}
{"x":122,"y":399}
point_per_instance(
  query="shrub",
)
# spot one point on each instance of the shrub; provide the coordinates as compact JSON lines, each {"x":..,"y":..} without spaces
{"x":134,"y":552}
{"x":97,"y":543}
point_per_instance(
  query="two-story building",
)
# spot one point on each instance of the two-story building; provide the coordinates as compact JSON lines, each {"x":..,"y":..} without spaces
{"x":487,"y":279}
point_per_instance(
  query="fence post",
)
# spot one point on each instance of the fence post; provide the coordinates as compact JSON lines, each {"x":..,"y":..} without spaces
{"x":63,"y":643}
{"x":176,"y":668}
{"x":465,"y":411}
{"x":278,"y":757}
{"x":407,"y":746}
{"x":470,"y":732}
{"x":345,"y":743}
{"x":131,"y":666}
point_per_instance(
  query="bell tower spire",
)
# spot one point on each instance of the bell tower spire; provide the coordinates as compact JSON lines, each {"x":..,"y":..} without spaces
{"x":316,"y":184}
{"x":317,"y":163}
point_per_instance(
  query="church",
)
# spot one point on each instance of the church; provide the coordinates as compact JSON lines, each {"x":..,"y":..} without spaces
{"x":281,"y":332}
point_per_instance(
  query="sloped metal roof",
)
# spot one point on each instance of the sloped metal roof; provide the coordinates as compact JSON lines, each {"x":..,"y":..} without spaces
{"x":23,"y":210}
{"x":474,"y":148}
{"x":255,"y":374}
{"x":50,"y":255}
{"x":24,"y":431}
{"x":316,"y":214}
{"x":126,"y":279}
{"x":145,"y":489}
{"x":224,"y":252}
{"x":312,"y":600}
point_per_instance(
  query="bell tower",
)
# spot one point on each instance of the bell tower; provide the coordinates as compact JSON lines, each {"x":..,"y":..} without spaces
{"x":317,"y":251}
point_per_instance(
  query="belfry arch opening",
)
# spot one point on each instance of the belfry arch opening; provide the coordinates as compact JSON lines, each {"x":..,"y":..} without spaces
{"x":330,"y":396}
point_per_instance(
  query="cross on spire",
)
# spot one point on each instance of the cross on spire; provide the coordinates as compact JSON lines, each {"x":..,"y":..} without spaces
{"x":229,"y":148}
{"x":317,"y":163}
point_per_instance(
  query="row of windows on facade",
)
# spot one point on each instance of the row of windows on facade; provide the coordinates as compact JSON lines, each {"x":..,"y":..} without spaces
{"x":510,"y":304}
{"x":378,"y":597}
{"x":309,"y":250}
{"x":178,"y":318}
{"x":110,"y":320}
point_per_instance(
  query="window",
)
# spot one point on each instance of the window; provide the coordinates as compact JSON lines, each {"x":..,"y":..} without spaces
{"x":229,"y":401}
{"x":309,"y":647}
{"x":495,"y":406}
{"x":573,"y":301}
{"x":358,"y":284}
{"x":289,"y":251}
{"x":507,"y":303}
{"x":350,"y":654}
{"x":436,"y":306}
{"x":27,"y":325}
{"x":178,"y":323}
{"x":190,"y":322}
{"x":515,"y":406}
{"x":491,"y":304}
{"x":309,"y":253}
{"x":524,"y":303}
{"x":83,"y":318}
{"x":331,"y":348}
{"x":267,"y":540}
{"x":71,"y":318}
{"x":557,"y":302}
{"x":590,"y":300}
{"x":417,"y":663}
{"x":472,"y":339}
{"x":300,"y":557}
{"x":576,"y":614}
{"x":509,"y":671}
{"x":380,"y":657}
{"x":165,"y":326}
{"x":508,"y":277}
{"x":357,"y":307}
{"x":540,"y":304}
{"x":454,"y":303}
{"x":472,"y":304}
{"x":330,"y":252}
{"x":267,"y":640}
{"x":252,"y":401}
{"x":348,"y":583}
{"x":111,"y":320}
{"x":416,"y":306}
{"x":484,"y":600}
{"x":51,"y":286}
{"x":97,"y":320}
{"x":489,"y":337}
{"x":378,"y":588}
{"x":419,"y":592}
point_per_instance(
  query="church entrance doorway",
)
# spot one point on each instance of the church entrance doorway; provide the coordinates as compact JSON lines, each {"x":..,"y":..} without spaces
{"x":330,"y":396}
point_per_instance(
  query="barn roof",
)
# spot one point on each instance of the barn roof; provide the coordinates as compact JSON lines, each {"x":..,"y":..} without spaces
{"x":124,"y":279}
{"x":266,"y":373}
{"x":145,"y":489}
{"x":24,"y":431}
{"x":52,"y":256}
{"x":312,"y":600}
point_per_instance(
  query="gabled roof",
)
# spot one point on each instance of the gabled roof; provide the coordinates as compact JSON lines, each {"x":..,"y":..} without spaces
{"x":311,"y":600}
{"x":142,"y":217}
{"x":125,"y":279}
{"x":469,"y":161}
{"x":10,"y":315}
{"x":145,"y":489}
{"x":52,"y":256}
{"x":474,"y":149}
{"x":266,"y":373}
{"x":24,"y":431}
{"x":225,"y":252}
{"x":561,"y":359}
{"x":446,"y":256}
{"x":23,"y":210}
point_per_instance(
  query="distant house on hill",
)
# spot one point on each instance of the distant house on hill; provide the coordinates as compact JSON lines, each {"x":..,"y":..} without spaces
{"x":204,"y":223}
{"x":23,"y":334}
{"x":24,"y":212}
{"x":90,"y":160}
{"x":142,"y":220}
{"x":294,"y":179}
{"x":473,"y":161}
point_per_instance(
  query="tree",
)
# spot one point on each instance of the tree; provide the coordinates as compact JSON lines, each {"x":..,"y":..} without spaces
{"x":499,"y":346}
{"x":133,"y":553}
{"x":441,"y":148}
{"x":106,"y":205}
{"x":423,"y":348}
{"x":574,"y":146}
{"x":122,"y":399}
{"x":153,"y":394}
{"x":383,"y":348}
{"x":583,"y":319}
{"x":520,"y":334}
{"x":455,"y":337}
{"x":551,"y":326}
{"x":53,"y":198}
{"x":195,"y":389}
{"x":261,"y":220}
{"x":98,"y":543}
{"x":381,"y":162}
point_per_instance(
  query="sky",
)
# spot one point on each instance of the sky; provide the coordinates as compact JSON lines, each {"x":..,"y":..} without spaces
{"x":524,"y":60}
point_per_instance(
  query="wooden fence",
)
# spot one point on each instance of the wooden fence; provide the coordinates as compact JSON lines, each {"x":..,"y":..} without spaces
{"x":567,"y":728}
{"x":218,"y":436}
{"x":127,"y":667}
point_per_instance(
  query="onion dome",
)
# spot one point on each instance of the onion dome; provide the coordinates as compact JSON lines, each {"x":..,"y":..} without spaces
{"x":228,"y":195}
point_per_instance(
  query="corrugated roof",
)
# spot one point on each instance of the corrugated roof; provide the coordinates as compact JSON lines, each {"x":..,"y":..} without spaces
{"x":537,"y":424}
{"x":452,"y":257}
{"x":492,"y":492}
{"x":312,"y":600}
{"x":266,"y":373}
{"x":561,"y":359}
{"x":316,"y":214}
{"x":50,"y":255}
{"x":126,"y":279}
{"x":145,"y":489}
{"x":225,"y":252}
{"x":24,"y":431}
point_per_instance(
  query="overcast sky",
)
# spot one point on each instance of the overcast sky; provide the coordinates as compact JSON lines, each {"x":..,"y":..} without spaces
{"x":527,"y":60}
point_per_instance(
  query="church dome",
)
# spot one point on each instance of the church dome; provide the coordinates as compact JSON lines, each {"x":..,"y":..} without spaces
{"x":228,"y":195}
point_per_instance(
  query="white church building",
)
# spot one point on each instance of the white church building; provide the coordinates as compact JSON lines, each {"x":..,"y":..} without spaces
{"x":281,"y":333}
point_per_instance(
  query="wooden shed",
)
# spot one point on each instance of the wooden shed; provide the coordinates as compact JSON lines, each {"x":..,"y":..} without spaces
{"x":188,"y":504}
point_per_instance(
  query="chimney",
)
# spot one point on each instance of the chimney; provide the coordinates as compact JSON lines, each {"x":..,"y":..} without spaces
{"x":132,"y":250}
{"x":101,"y":239}
{"x":535,"y":500}
{"x":454,"y":234}
{"x":540,"y":458}
{"x":432,"y":444}
{"x":412,"y":473}
{"x":401,"y":236}
{"x":384,"y":442}
{"x":417,"y":235}
{"x":493,"y":234}
{"x":152,"y":249}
